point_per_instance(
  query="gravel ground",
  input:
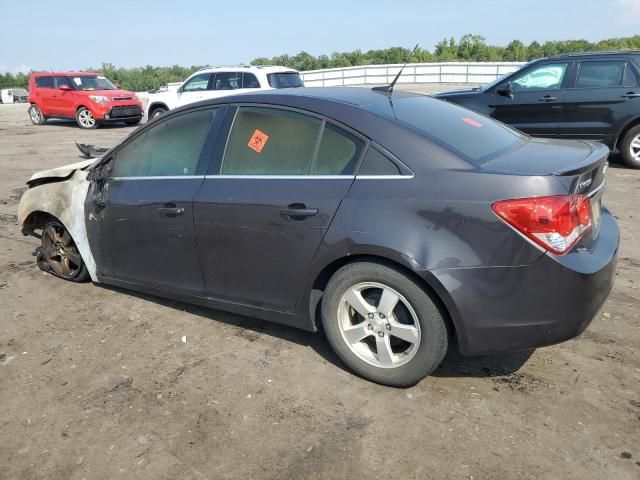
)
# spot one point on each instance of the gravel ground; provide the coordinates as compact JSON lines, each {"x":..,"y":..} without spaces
{"x":103,"y":383}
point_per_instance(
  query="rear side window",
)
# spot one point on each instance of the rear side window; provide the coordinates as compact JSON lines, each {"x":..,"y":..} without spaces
{"x":338,"y":153}
{"x":199,"y":83}
{"x":544,"y":77}
{"x":44,"y":82}
{"x":249,"y":80}
{"x":266,"y":141}
{"x":171,"y":148}
{"x":629,"y":78}
{"x":285,"y":80}
{"x":228,"y":81}
{"x":472,"y":136}
{"x":375,"y":163}
{"x":600,"y":74}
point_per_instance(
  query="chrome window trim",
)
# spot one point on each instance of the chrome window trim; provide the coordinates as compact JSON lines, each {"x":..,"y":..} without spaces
{"x":384,"y":177}
{"x":161,"y":177}
{"x":285,"y":177}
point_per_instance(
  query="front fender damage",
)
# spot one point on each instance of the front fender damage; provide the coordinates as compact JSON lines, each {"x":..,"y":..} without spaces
{"x":63,"y":199}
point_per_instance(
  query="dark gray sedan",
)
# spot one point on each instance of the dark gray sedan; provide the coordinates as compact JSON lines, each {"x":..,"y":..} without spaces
{"x":400,"y":223}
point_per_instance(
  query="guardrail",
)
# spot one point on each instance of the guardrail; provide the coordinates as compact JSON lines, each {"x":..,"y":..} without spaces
{"x":448,"y":72}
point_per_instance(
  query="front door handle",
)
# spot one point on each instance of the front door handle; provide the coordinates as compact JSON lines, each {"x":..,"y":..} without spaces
{"x":547,"y":98}
{"x":170,"y":210}
{"x":298,"y":211}
{"x":631,"y":95}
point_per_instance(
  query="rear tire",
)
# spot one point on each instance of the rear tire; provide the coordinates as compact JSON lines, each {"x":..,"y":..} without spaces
{"x":630,"y":148}
{"x":36,"y":116}
{"x":85,"y":119}
{"x":402,"y":336}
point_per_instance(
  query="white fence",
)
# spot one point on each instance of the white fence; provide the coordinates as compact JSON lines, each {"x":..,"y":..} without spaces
{"x":451,"y":72}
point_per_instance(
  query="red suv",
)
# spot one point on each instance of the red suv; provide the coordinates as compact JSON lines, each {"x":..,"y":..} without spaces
{"x":89,"y":98}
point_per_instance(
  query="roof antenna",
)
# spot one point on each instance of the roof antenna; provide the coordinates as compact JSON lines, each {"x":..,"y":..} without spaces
{"x":388,"y":89}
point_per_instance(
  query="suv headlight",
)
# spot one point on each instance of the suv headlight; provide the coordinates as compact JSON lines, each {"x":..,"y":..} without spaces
{"x":99,"y":98}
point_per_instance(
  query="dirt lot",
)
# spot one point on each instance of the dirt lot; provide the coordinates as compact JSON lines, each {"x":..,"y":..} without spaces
{"x":97,"y":383}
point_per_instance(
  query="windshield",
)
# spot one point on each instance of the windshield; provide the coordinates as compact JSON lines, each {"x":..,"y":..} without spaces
{"x":285,"y":80}
{"x":475,"y":137}
{"x":92,"y":82}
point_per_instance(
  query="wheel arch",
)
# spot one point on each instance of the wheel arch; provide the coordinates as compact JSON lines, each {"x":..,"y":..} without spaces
{"x":630,"y":124}
{"x":427,"y":282}
{"x":155,"y":105}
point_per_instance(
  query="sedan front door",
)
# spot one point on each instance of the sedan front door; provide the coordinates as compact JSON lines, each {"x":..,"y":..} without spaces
{"x":261,"y":215}
{"x":140,"y":216}
{"x":532,"y":101}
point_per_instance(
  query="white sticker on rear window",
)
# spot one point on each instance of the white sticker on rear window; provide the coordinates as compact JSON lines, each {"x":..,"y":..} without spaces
{"x":77,"y":81}
{"x":101,"y":78}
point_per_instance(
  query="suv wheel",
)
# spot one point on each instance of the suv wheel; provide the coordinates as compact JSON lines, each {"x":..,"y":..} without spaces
{"x":36,"y":115}
{"x":156,"y":112}
{"x":382,"y":324}
{"x":630,"y":147}
{"x":85,"y":119}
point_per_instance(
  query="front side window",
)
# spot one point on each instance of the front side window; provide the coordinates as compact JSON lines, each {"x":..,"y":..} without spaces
{"x":60,"y":81}
{"x":249,"y":80}
{"x":198,"y":83}
{"x":338,"y":153}
{"x":266,"y":141}
{"x":228,"y":81}
{"x":171,"y":148}
{"x":544,"y":77}
{"x":44,"y":82}
{"x":600,"y":74}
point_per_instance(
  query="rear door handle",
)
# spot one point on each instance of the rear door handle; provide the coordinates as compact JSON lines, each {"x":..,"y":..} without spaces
{"x":298,"y":211}
{"x":631,"y":95}
{"x":170,"y":210}
{"x":547,"y":98}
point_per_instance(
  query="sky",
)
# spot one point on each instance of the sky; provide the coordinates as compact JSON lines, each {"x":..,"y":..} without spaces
{"x":77,"y":35}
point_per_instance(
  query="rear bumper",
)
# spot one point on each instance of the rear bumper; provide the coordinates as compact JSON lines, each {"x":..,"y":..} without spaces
{"x":549,"y":301}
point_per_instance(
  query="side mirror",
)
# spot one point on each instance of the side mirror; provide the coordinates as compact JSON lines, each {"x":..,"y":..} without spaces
{"x":506,"y":91}
{"x":117,"y":85}
{"x":64,"y":87}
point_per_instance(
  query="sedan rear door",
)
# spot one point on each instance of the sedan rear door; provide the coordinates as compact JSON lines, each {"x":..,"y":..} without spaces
{"x":604,"y":98}
{"x":532,"y":101}
{"x":268,"y":201}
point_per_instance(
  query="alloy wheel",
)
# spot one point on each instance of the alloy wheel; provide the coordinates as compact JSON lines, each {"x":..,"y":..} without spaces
{"x":379,"y":325}
{"x":35,"y":114}
{"x":60,"y":252}
{"x":634,"y":148}
{"x":85,"y":117}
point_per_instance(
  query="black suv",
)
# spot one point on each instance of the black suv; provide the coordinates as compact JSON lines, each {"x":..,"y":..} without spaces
{"x":590,"y":96}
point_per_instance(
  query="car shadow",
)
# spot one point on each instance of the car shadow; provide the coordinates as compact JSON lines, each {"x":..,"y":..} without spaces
{"x":457,"y":365}
{"x":61,"y":122}
{"x":453,"y":365}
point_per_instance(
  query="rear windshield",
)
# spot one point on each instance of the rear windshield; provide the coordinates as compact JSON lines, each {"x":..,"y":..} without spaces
{"x":284,"y":80}
{"x":91,"y":82}
{"x":476,"y":138}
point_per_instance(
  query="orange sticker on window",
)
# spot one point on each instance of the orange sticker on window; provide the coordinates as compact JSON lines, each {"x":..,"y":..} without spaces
{"x":471,"y":122}
{"x":258,"y":140}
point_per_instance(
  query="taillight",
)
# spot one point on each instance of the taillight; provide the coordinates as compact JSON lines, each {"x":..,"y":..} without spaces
{"x":555,"y":223}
